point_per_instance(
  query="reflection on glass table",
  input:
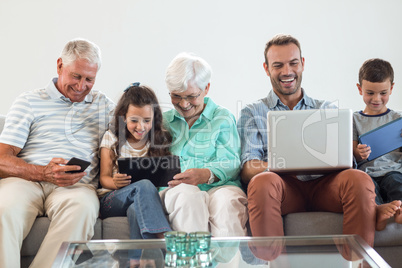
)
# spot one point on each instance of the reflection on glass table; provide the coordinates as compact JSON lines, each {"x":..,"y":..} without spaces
{"x":338,"y":251}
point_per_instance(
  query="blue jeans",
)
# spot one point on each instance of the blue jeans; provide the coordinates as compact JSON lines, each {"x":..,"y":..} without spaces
{"x":388,"y":187}
{"x":141,"y":203}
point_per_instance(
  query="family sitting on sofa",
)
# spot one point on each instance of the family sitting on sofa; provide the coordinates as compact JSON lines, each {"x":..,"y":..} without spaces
{"x":46,"y":127}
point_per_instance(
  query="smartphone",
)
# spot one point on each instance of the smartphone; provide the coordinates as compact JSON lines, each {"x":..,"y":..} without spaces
{"x":78,"y":162}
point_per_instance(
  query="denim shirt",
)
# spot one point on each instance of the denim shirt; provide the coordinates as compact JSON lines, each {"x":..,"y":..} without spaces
{"x":252,"y":123}
{"x":212,"y":142}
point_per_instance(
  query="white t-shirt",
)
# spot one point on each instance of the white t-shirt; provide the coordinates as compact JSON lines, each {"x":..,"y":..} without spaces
{"x":126,"y":151}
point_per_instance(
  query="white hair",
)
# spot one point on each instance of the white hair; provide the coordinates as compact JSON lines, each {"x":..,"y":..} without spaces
{"x":81,"y":49}
{"x":187,"y":68}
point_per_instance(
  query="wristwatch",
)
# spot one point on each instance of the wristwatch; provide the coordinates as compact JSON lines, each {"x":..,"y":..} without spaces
{"x":211,"y":178}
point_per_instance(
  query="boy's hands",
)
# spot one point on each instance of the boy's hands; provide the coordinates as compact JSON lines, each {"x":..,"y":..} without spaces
{"x":364,"y":151}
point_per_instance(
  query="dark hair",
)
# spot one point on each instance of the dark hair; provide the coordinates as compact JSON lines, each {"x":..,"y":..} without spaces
{"x":376,"y":71}
{"x":159,"y":138}
{"x":280,"y":40}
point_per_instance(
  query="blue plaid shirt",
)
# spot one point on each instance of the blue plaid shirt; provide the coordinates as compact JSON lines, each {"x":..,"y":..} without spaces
{"x":252,"y":124}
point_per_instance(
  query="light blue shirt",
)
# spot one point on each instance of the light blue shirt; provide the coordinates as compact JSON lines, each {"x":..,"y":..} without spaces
{"x":45,"y":124}
{"x":252,"y":124}
{"x":212,"y":142}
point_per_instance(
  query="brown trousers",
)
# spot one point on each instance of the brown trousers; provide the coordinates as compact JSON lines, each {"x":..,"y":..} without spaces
{"x":350,"y":192}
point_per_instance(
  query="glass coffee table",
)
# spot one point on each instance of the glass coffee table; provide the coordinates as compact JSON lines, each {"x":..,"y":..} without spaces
{"x":290,"y":251}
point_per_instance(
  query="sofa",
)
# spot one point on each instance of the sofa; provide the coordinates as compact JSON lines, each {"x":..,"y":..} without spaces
{"x":388,"y":243}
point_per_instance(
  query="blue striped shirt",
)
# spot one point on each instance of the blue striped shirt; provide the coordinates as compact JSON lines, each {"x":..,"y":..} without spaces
{"x":45,"y":124}
{"x":252,"y":123}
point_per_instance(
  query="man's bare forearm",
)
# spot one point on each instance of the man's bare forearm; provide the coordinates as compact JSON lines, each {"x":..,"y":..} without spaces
{"x":13,"y":166}
{"x":54,"y":172}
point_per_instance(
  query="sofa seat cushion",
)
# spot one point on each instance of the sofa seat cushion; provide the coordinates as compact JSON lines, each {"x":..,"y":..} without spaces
{"x":116,"y":228}
{"x":328,"y":223}
{"x":313,"y":223}
{"x":32,"y":242}
{"x":390,"y":236}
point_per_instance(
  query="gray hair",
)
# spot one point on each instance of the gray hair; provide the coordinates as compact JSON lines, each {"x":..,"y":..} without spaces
{"x":81,"y":49}
{"x":187,"y":68}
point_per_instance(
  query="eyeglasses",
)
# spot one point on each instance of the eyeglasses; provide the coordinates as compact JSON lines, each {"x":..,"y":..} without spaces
{"x":190,"y":98}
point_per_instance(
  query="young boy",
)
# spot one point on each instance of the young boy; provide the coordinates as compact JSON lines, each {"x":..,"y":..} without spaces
{"x":376,"y":80}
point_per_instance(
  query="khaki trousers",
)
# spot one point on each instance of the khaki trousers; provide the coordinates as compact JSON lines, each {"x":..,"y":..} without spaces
{"x":72,"y":211}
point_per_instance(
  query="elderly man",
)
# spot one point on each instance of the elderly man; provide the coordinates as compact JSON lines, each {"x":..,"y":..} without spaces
{"x":44,"y":129}
{"x":270,"y":196}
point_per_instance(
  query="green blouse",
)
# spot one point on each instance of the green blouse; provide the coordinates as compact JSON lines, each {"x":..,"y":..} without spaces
{"x":212,"y":142}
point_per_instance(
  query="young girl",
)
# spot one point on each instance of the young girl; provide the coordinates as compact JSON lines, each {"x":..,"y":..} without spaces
{"x":136,"y":132}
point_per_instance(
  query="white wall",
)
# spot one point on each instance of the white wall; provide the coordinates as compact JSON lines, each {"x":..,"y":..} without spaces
{"x":139,"y":38}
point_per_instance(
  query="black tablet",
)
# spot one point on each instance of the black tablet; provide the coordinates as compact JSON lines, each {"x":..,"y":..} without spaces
{"x":159,"y":170}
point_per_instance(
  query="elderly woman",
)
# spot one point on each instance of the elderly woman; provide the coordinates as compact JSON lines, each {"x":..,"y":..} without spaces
{"x":206,"y":196}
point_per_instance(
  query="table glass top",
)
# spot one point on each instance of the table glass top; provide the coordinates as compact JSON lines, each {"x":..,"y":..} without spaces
{"x":271,"y":252}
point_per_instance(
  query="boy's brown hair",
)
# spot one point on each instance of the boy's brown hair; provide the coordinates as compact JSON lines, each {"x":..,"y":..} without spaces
{"x":376,"y":71}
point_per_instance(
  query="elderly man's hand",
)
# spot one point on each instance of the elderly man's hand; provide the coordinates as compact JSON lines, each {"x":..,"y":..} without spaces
{"x":55,"y":172}
{"x":193,"y":176}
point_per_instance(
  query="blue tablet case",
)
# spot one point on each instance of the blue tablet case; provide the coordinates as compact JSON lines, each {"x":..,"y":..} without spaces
{"x":383,"y":139}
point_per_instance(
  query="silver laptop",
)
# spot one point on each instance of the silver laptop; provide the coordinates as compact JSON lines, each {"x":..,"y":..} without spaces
{"x":310,"y":141}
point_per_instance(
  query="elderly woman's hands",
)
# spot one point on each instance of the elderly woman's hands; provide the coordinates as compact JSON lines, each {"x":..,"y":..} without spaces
{"x":193,"y":176}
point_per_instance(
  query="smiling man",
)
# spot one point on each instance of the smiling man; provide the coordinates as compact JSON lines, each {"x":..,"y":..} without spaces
{"x":43,"y":130}
{"x":285,"y":70}
{"x":271,"y":196}
{"x":76,"y":79}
